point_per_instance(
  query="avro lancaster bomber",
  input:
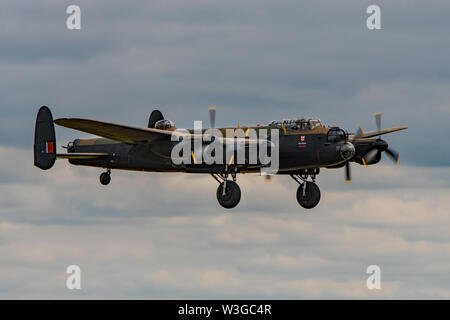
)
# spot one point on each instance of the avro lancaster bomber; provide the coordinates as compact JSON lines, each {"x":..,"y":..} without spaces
{"x":304,"y":147}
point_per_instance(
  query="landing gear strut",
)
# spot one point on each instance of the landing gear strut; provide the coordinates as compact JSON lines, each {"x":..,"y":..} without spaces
{"x":105,"y":177}
{"x":228,"y":192}
{"x":308,"y":193}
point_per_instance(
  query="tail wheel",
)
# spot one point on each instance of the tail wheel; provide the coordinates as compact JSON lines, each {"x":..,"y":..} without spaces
{"x":231,"y":197}
{"x":105,"y":178}
{"x":308,"y":198}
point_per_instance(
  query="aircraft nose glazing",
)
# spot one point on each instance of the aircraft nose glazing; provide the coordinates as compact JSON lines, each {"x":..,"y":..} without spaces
{"x":347,"y":151}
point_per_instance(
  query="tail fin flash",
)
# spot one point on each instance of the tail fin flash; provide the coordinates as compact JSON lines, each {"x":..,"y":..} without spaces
{"x":44,"y":140}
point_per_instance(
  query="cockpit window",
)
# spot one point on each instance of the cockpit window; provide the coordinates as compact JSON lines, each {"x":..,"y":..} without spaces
{"x":297,"y":124}
{"x":315,"y":123}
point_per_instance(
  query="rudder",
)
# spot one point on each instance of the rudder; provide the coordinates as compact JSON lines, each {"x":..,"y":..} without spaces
{"x":44,"y":140}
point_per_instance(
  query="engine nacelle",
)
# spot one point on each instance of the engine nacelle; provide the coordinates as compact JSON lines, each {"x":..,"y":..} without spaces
{"x":374,"y":161}
{"x":361,"y":152}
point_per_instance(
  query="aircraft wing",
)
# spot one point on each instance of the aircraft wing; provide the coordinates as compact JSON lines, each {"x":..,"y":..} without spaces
{"x":118,"y":132}
{"x":377,"y":133}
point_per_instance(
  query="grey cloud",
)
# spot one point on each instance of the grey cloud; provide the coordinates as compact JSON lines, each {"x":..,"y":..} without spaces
{"x":163,"y":236}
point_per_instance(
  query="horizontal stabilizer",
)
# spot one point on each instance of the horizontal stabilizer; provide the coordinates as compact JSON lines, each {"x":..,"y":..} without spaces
{"x":81,"y":155}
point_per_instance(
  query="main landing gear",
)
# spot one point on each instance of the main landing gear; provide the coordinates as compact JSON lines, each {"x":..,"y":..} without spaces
{"x":308,"y":193}
{"x":228,"y":192}
{"x":105,"y":177}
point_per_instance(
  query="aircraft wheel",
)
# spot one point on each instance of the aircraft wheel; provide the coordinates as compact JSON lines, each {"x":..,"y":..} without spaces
{"x":232,"y":195}
{"x":311,"y":197}
{"x":105,"y":178}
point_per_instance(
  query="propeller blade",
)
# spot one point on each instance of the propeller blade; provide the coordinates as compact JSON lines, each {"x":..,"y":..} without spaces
{"x":394,"y":155}
{"x":378,"y":120}
{"x":370,"y":155}
{"x":212,"y":117}
{"x":348,"y":175}
{"x":360,"y":131}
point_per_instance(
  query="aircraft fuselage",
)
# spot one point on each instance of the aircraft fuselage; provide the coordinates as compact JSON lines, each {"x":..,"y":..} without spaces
{"x":296,"y":151}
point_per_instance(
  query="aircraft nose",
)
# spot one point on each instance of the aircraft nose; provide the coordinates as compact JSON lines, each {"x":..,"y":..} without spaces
{"x":347,"y":150}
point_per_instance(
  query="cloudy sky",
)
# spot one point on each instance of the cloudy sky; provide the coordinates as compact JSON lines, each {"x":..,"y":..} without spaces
{"x":164,"y":235}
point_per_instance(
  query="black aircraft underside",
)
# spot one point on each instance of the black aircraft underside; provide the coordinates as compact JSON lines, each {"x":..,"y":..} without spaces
{"x":304,"y":147}
{"x":145,"y":158}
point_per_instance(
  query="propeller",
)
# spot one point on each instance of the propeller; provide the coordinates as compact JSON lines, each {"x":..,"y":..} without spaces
{"x":378,"y":120}
{"x":212,"y":120}
{"x":378,"y":147}
{"x":394,"y":155}
{"x":348,"y":173}
{"x":370,"y":156}
{"x":212,"y":117}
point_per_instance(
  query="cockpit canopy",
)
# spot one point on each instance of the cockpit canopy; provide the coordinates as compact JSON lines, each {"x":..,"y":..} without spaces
{"x":164,"y":124}
{"x":336,"y":134}
{"x":297,"y":124}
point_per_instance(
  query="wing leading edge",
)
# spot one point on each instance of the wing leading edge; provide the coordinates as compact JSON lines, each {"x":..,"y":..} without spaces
{"x":362,"y":134}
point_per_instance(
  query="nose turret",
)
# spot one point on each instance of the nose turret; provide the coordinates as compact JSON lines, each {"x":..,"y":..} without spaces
{"x":347,"y":150}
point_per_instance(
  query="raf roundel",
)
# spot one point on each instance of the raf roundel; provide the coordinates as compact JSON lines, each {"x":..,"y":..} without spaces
{"x":48,"y":147}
